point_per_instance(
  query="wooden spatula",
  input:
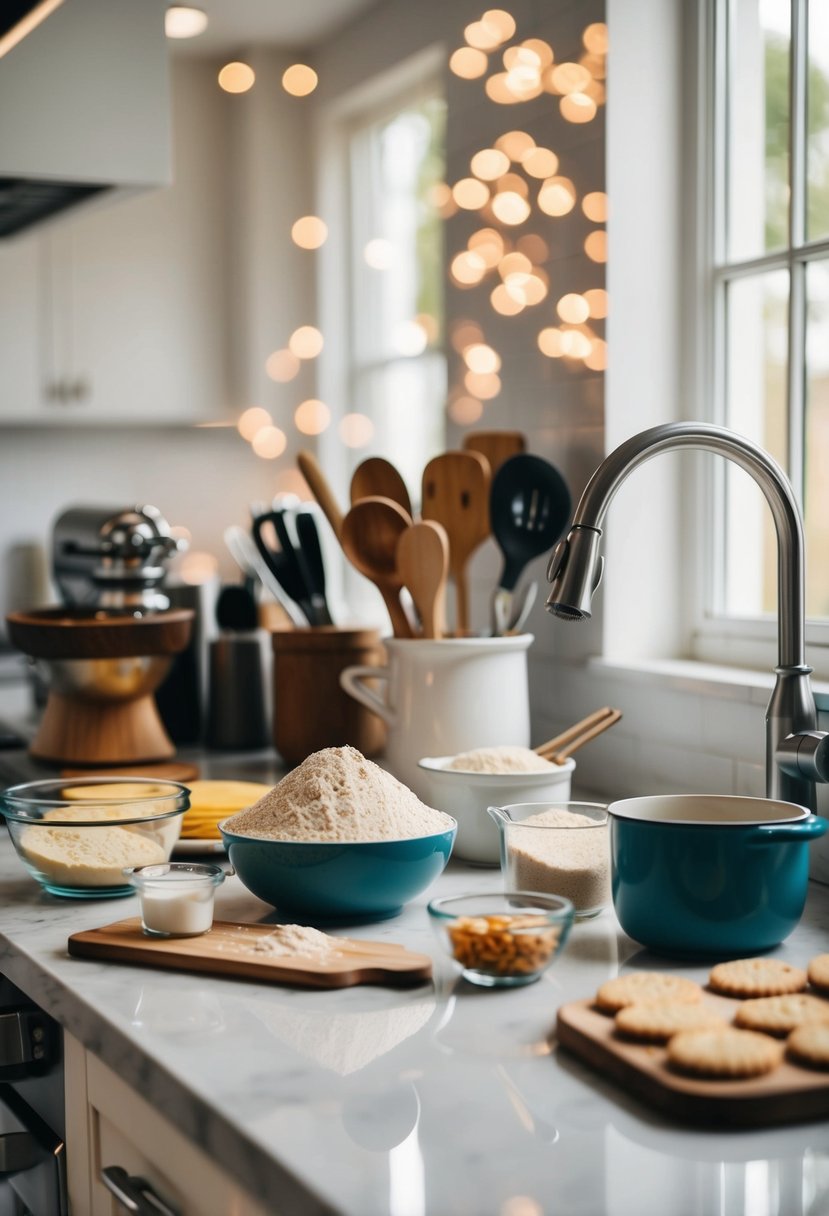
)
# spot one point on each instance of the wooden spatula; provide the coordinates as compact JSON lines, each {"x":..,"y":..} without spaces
{"x":369,"y":538}
{"x":496,"y":446}
{"x":378,"y":478}
{"x":456,"y":494}
{"x":423,"y":565}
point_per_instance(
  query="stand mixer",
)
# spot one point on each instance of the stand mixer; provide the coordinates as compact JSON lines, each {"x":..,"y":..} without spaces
{"x":110,"y":645}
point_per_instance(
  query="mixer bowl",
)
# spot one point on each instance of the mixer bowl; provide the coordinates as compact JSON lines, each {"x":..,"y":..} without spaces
{"x":106,"y":679}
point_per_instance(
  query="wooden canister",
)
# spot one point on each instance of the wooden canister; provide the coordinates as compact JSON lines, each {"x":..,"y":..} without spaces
{"x":310,"y":709}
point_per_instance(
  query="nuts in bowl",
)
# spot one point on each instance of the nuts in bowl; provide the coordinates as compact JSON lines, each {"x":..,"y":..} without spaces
{"x":502,"y":940}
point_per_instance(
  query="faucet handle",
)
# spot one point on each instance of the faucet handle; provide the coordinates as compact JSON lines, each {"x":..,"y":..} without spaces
{"x":805,"y":754}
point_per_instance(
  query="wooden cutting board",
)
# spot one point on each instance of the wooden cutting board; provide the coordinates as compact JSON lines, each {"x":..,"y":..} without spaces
{"x":174,"y":770}
{"x":789,"y":1094}
{"x":228,"y":949}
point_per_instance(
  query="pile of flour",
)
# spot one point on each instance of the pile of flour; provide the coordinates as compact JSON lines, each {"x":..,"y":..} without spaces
{"x":500,"y":760}
{"x":338,"y":795}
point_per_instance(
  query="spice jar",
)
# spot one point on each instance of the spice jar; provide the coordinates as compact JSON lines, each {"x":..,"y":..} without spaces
{"x":176,"y":898}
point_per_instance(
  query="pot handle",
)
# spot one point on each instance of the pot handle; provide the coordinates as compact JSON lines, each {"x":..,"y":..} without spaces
{"x":351,"y":680}
{"x":803,"y":829}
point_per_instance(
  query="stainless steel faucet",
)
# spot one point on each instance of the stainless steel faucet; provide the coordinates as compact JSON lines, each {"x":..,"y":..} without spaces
{"x":797,"y":755}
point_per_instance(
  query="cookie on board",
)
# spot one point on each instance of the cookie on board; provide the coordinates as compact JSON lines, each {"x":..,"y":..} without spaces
{"x":656,"y":1023}
{"x":809,"y":1044}
{"x":728,"y":1054}
{"x":781,"y":1014}
{"x":645,"y":986}
{"x":819,"y":973}
{"x":746,"y":977}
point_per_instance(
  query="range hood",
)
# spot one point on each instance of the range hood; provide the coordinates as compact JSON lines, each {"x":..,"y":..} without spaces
{"x":84,"y":109}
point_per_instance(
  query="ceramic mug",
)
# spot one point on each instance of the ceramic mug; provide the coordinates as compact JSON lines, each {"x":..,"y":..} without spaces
{"x":444,"y":696}
{"x":712,"y":875}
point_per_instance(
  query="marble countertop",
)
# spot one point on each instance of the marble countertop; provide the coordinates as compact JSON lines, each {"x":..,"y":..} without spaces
{"x":443,"y":1100}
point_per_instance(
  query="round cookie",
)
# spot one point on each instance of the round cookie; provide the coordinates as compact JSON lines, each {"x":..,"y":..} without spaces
{"x":809,"y":1044}
{"x":656,"y":1023}
{"x":724,"y":1053}
{"x":644,"y":987}
{"x":781,"y":1014}
{"x":746,"y":977}
{"x":819,"y":973}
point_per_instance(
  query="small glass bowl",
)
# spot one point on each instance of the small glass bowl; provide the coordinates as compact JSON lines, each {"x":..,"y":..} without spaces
{"x":502,"y":941}
{"x":176,"y":898}
{"x":570,"y":859}
{"x":76,"y":836}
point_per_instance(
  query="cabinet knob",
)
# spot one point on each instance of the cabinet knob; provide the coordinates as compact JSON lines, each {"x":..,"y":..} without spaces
{"x":135,"y":1194}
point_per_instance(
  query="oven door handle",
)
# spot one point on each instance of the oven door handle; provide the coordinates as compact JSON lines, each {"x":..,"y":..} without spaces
{"x":135,"y":1194}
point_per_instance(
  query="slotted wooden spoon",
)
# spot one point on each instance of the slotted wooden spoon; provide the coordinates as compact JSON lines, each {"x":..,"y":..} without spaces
{"x":423,"y":565}
{"x":369,"y":537}
{"x":456,"y":494}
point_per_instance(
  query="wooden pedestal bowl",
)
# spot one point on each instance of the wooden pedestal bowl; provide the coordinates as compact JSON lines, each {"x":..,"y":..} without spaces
{"x":102,"y":672}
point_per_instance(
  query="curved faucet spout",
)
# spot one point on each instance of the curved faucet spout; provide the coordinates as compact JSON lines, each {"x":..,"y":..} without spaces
{"x":575,"y":570}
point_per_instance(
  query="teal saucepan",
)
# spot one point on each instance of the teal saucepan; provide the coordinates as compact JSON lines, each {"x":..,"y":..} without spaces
{"x":710,"y":875}
{"x":339,"y":880}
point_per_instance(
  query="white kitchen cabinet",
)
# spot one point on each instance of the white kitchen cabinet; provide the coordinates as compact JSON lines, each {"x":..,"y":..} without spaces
{"x":110,"y":1125}
{"x":118,"y":313}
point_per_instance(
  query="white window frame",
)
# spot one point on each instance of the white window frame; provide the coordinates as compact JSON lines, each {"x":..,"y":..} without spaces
{"x":717,"y":638}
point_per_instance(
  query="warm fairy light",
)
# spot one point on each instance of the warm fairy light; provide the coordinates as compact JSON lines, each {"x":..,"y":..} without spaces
{"x":252,"y":420}
{"x":467,"y":268}
{"x":468,"y":63}
{"x":597,"y":302}
{"x":312,"y":417}
{"x":515,"y":145}
{"x":533,"y":289}
{"x":510,"y":208}
{"x":464,"y":333}
{"x":497,"y":90}
{"x":483,"y":385}
{"x":577,"y":107}
{"x":595,"y":38}
{"x":576,"y":345}
{"x":470,"y":194}
{"x":305,"y":342}
{"x":489,"y":163}
{"x":309,"y":232}
{"x":299,"y":80}
{"x":534,"y":247}
{"x":499,"y":23}
{"x":184,"y":21}
{"x":356,"y":430}
{"x":523,"y":72}
{"x":540,"y":162}
{"x":438,"y":195}
{"x":541,"y":49}
{"x":282,"y":365}
{"x":488,"y":244}
{"x":596,"y":360}
{"x":269,"y":443}
{"x":409,"y":338}
{"x":557,"y":196}
{"x":514,"y":264}
{"x":197,"y":568}
{"x":550,"y":342}
{"x":596,"y":66}
{"x":464,"y":411}
{"x":378,"y":253}
{"x":513,"y":182}
{"x":236,"y":78}
{"x":504,"y":302}
{"x":569,"y":77}
{"x":485,"y":35}
{"x":595,"y":245}
{"x":521,"y":56}
{"x":482,"y":359}
{"x":573,"y":308}
{"x":596,"y":92}
{"x":594,"y":206}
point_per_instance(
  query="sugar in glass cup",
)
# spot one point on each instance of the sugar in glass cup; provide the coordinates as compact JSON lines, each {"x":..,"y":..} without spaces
{"x":176,"y":898}
{"x":567,"y":855}
{"x":502,"y":941}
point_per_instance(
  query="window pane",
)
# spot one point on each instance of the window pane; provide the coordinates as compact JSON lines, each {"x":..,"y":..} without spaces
{"x":758,"y":126}
{"x":756,"y":395}
{"x":405,"y":399}
{"x":817,"y":117}
{"x":817,"y":439}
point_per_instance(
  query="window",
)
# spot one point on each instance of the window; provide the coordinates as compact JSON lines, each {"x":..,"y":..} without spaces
{"x":769,"y":309}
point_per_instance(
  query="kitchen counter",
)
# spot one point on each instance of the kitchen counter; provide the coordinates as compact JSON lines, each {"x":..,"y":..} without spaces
{"x":443,"y":1100}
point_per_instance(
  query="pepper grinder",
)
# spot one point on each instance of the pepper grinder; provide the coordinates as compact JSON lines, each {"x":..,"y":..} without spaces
{"x":237,"y":718}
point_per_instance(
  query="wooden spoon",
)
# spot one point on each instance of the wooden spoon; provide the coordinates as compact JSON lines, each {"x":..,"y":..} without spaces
{"x":369,"y":538}
{"x":378,"y":478}
{"x":321,"y":489}
{"x":496,"y":446}
{"x":423,"y":565}
{"x":456,"y":494}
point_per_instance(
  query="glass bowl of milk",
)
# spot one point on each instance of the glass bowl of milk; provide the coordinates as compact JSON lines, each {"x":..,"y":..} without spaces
{"x":176,"y":898}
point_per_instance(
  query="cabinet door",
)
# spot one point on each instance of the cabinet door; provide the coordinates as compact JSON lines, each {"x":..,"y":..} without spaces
{"x":20,"y":338}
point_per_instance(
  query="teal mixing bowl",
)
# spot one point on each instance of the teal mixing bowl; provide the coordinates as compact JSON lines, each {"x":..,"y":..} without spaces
{"x":710,"y":875}
{"x":339,"y":880}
